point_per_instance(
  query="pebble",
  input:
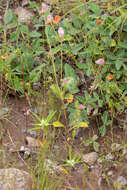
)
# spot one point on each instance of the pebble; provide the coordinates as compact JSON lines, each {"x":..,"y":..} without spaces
{"x":110,"y":173}
{"x":109,"y":156}
{"x":120,"y":182}
{"x":52,"y":167}
{"x":116,"y":147}
{"x":90,"y":158}
{"x":32,"y":133}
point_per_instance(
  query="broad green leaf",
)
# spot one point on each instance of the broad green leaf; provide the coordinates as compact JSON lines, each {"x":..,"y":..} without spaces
{"x":95,"y":8}
{"x":34,"y":34}
{"x":96,"y":146}
{"x":55,"y":50}
{"x":8,"y":17}
{"x":56,"y":90}
{"x":77,"y":48}
{"x":89,"y":141}
{"x":69,"y":71}
{"x":118,"y":64}
{"x":122,"y":44}
{"x":81,"y":65}
{"x":103,"y":130}
{"x":76,"y":21}
{"x":105,"y":117}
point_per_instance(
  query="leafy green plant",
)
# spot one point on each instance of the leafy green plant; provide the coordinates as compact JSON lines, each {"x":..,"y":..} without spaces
{"x":106,"y":122}
{"x":92,"y":141}
{"x":44,"y":123}
{"x":72,"y":160}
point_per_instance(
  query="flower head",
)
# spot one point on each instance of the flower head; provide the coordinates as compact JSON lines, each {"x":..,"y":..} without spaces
{"x":99,"y":21}
{"x":49,"y":19}
{"x":100,"y":61}
{"x":70,"y":99}
{"x":64,"y":81}
{"x":1,"y":186}
{"x":4,"y":56}
{"x":80,"y":107}
{"x":44,"y":8}
{"x":110,"y":77}
{"x":61,"y":32}
{"x":56,"y":19}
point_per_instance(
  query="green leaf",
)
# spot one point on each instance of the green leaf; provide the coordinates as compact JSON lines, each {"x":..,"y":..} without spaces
{"x":123,"y":44}
{"x":55,"y":50}
{"x":76,"y":21}
{"x":81,"y":65}
{"x":24,"y":29}
{"x":77,"y":48}
{"x":118,"y":64}
{"x":72,"y":85}
{"x":69,"y":71}
{"x":89,"y":141}
{"x":8,"y":17}
{"x":35,"y":34}
{"x":105,"y":117}
{"x":96,"y":146}
{"x":56,"y":90}
{"x":95,"y":8}
{"x":103,"y":130}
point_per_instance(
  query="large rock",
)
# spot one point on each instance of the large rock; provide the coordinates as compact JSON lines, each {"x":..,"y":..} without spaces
{"x":15,"y":179}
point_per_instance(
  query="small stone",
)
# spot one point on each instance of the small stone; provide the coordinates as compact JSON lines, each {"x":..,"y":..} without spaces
{"x":90,"y":158}
{"x":32,"y":133}
{"x":120,"y":182}
{"x":22,"y":149}
{"x":110,"y":173}
{"x":89,"y":109}
{"x":109,"y":156}
{"x":25,"y":2}
{"x":52,"y":166}
{"x":36,"y":85}
{"x":32,"y":142}
{"x":79,"y":132}
{"x":116,"y":147}
{"x":27,"y":154}
{"x":95,"y":112}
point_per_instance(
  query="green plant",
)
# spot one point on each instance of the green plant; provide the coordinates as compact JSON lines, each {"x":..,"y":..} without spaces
{"x":92,"y":141}
{"x":44,"y":123}
{"x":106,"y":122}
{"x":72,"y":160}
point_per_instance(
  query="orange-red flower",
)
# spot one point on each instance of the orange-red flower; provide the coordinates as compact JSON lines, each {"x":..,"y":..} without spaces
{"x":99,"y":21}
{"x":110,"y":77}
{"x":70,"y":99}
{"x":4,"y":56}
{"x":56,"y":19}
